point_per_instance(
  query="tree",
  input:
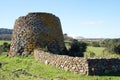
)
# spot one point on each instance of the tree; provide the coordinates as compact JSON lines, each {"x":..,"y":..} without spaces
{"x":113,"y":45}
{"x":95,"y":44}
{"x":77,"y":48}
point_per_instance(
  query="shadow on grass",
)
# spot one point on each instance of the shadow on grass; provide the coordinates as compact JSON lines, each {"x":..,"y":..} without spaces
{"x":113,"y":74}
{"x":108,"y":74}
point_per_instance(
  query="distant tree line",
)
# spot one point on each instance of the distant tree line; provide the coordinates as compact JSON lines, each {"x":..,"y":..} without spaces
{"x":5,"y":31}
{"x":95,"y":44}
{"x":5,"y":34}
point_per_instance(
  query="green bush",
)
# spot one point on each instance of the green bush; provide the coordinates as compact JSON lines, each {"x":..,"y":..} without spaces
{"x":5,"y":47}
{"x":94,"y":43}
{"x":113,"y":45}
{"x":77,"y":48}
{"x":91,"y":54}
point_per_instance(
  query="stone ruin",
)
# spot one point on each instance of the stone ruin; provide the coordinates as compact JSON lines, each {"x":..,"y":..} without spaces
{"x":37,"y":30}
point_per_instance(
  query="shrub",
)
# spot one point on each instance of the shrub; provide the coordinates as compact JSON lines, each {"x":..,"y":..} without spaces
{"x":77,"y":48}
{"x":113,"y":45}
{"x":95,"y":44}
{"x":5,"y":47}
{"x":91,"y":54}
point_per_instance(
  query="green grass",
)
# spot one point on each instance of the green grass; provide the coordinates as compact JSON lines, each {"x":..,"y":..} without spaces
{"x":99,"y":52}
{"x":27,"y":68}
{"x":2,"y":41}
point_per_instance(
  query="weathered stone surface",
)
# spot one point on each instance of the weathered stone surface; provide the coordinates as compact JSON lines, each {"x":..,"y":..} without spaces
{"x":79,"y":64}
{"x":37,"y":30}
{"x":64,"y":62}
{"x":103,"y":66}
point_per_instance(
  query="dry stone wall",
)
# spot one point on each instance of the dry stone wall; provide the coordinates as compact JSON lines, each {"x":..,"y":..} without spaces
{"x":103,"y":66}
{"x":37,"y":30}
{"x":77,"y":64}
{"x":67,"y":63}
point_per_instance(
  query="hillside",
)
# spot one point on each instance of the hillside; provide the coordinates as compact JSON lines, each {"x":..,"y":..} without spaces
{"x":5,"y":34}
{"x":5,"y":31}
{"x":29,"y":69}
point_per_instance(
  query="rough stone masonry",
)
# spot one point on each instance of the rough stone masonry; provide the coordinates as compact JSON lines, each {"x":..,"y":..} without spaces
{"x":79,"y":64}
{"x":37,"y":30}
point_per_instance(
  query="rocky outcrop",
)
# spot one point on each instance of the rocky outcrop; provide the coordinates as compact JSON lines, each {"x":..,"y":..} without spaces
{"x":79,"y":64}
{"x":37,"y":30}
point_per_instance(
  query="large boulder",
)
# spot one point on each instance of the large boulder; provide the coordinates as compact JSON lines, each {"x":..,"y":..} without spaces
{"x":37,"y":30}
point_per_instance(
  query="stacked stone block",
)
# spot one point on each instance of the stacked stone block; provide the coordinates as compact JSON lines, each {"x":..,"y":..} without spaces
{"x":37,"y":30}
{"x":75,"y":64}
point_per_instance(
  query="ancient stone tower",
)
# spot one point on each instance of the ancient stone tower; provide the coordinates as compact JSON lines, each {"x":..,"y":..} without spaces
{"x":37,"y":30}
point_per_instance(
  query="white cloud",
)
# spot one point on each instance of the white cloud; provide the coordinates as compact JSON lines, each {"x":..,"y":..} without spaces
{"x":91,"y":22}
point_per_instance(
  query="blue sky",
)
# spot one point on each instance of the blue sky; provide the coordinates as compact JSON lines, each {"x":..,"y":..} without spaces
{"x":87,"y":18}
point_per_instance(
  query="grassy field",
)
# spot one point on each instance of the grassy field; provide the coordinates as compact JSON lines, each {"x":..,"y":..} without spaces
{"x":2,"y":41}
{"x":97,"y":52}
{"x":27,"y":68}
{"x":22,"y":68}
